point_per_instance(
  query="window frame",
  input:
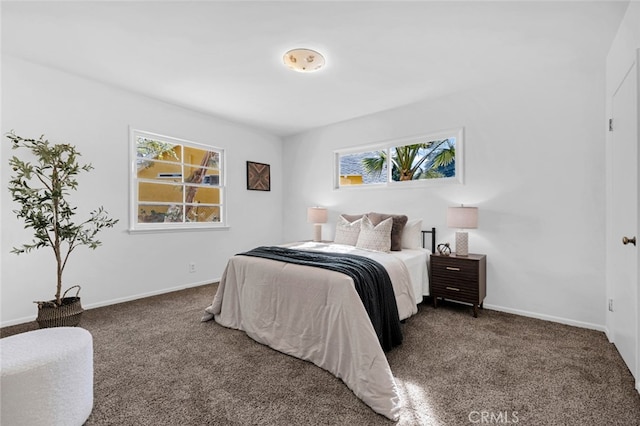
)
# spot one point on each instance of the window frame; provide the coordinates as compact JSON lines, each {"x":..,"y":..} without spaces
{"x":458,"y":178}
{"x":134,"y":202}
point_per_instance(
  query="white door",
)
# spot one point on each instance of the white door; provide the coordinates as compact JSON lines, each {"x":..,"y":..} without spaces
{"x":624,"y":220}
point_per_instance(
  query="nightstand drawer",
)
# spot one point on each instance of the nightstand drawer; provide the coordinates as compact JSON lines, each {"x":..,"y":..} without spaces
{"x":454,"y":267}
{"x":459,"y":286}
{"x":456,"y":292}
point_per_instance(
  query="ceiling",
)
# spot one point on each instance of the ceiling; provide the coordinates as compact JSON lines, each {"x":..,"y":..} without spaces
{"x":225,"y":58}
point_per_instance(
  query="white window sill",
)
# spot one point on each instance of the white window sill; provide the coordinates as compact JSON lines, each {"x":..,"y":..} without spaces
{"x":154,"y":230}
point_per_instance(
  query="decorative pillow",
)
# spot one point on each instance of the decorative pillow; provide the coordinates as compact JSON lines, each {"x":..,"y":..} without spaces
{"x":377,"y":237}
{"x":347,"y":232}
{"x":352,"y":217}
{"x":399,"y":222}
{"x":412,"y":234}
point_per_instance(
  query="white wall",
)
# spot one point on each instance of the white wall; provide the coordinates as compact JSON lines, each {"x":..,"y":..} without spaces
{"x":96,"y":118}
{"x":534,"y":166}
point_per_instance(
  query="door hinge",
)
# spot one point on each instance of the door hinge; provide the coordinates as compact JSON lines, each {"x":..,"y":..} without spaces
{"x":611,"y":124}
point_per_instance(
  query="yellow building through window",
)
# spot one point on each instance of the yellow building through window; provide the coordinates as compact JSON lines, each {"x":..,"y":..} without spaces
{"x":177,"y":183}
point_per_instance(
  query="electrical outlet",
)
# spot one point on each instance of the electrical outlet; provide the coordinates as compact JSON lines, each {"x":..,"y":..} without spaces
{"x":610,"y":305}
{"x":192,"y":267}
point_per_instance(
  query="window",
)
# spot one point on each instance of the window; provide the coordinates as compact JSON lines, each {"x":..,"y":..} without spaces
{"x":419,"y":160}
{"x":175,"y":184}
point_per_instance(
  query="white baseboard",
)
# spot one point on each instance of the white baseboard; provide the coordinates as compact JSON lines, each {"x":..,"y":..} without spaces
{"x":149,"y":294}
{"x":551,"y":318}
{"x":608,"y":334}
{"x":119,"y":300}
{"x":19,"y":321}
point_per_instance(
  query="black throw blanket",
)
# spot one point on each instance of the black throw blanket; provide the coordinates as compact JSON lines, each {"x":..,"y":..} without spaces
{"x":371,"y":280}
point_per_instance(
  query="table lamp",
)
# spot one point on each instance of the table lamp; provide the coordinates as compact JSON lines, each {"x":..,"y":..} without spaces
{"x":317,"y":216}
{"x":462,"y":218}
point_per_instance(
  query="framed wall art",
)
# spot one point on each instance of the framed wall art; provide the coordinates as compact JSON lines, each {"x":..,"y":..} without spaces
{"x":258,"y":176}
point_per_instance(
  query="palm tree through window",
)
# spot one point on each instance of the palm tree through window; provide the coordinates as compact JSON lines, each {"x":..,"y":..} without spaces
{"x":423,"y":159}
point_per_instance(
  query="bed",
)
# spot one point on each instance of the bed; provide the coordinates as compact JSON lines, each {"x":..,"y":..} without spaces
{"x":317,"y":315}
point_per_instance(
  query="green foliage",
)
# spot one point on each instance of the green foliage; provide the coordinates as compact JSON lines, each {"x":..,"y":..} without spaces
{"x":375,"y":165}
{"x":154,"y":149}
{"x":41,"y":189}
{"x":416,"y":161}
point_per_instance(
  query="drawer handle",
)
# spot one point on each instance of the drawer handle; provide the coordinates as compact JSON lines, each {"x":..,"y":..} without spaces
{"x":453,"y":288}
{"x":451,"y":268}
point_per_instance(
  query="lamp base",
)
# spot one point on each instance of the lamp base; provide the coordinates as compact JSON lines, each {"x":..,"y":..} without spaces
{"x":317,"y":232}
{"x":462,"y":244}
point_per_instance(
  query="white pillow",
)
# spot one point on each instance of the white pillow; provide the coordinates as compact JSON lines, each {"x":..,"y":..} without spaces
{"x":377,"y":237}
{"x":412,"y":234}
{"x":347,"y":232}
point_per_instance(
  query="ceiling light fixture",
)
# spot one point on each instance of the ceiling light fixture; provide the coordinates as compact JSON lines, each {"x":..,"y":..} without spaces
{"x":303,"y":60}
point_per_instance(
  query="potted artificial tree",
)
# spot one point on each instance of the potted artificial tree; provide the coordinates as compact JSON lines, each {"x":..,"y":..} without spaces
{"x":42,"y":188}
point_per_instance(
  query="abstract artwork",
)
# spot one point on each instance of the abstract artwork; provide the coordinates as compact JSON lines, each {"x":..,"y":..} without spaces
{"x":258,"y":176}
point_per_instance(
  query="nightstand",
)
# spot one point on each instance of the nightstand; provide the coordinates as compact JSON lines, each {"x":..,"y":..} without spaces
{"x":458,"y":278}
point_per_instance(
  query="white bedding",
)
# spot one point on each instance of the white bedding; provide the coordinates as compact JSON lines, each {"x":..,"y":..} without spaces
{"x":316,"y":315}
{"x":416,"y":262}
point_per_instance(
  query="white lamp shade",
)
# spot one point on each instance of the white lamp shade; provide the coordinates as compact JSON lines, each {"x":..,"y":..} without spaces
{"x":462,"y":217}
{"x":317,"y":215}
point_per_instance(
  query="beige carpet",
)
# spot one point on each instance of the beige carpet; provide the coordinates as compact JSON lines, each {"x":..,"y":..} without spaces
{"x":157,"y":364}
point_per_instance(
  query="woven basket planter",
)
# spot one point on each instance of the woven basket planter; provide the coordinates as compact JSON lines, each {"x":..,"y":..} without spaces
{"x":66,"y":315}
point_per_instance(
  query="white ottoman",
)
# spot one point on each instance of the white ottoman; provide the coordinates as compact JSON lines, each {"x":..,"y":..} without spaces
{"x":46,"y":377}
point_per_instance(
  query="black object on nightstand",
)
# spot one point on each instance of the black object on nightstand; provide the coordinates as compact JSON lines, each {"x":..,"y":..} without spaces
{"x":458,"y":278}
